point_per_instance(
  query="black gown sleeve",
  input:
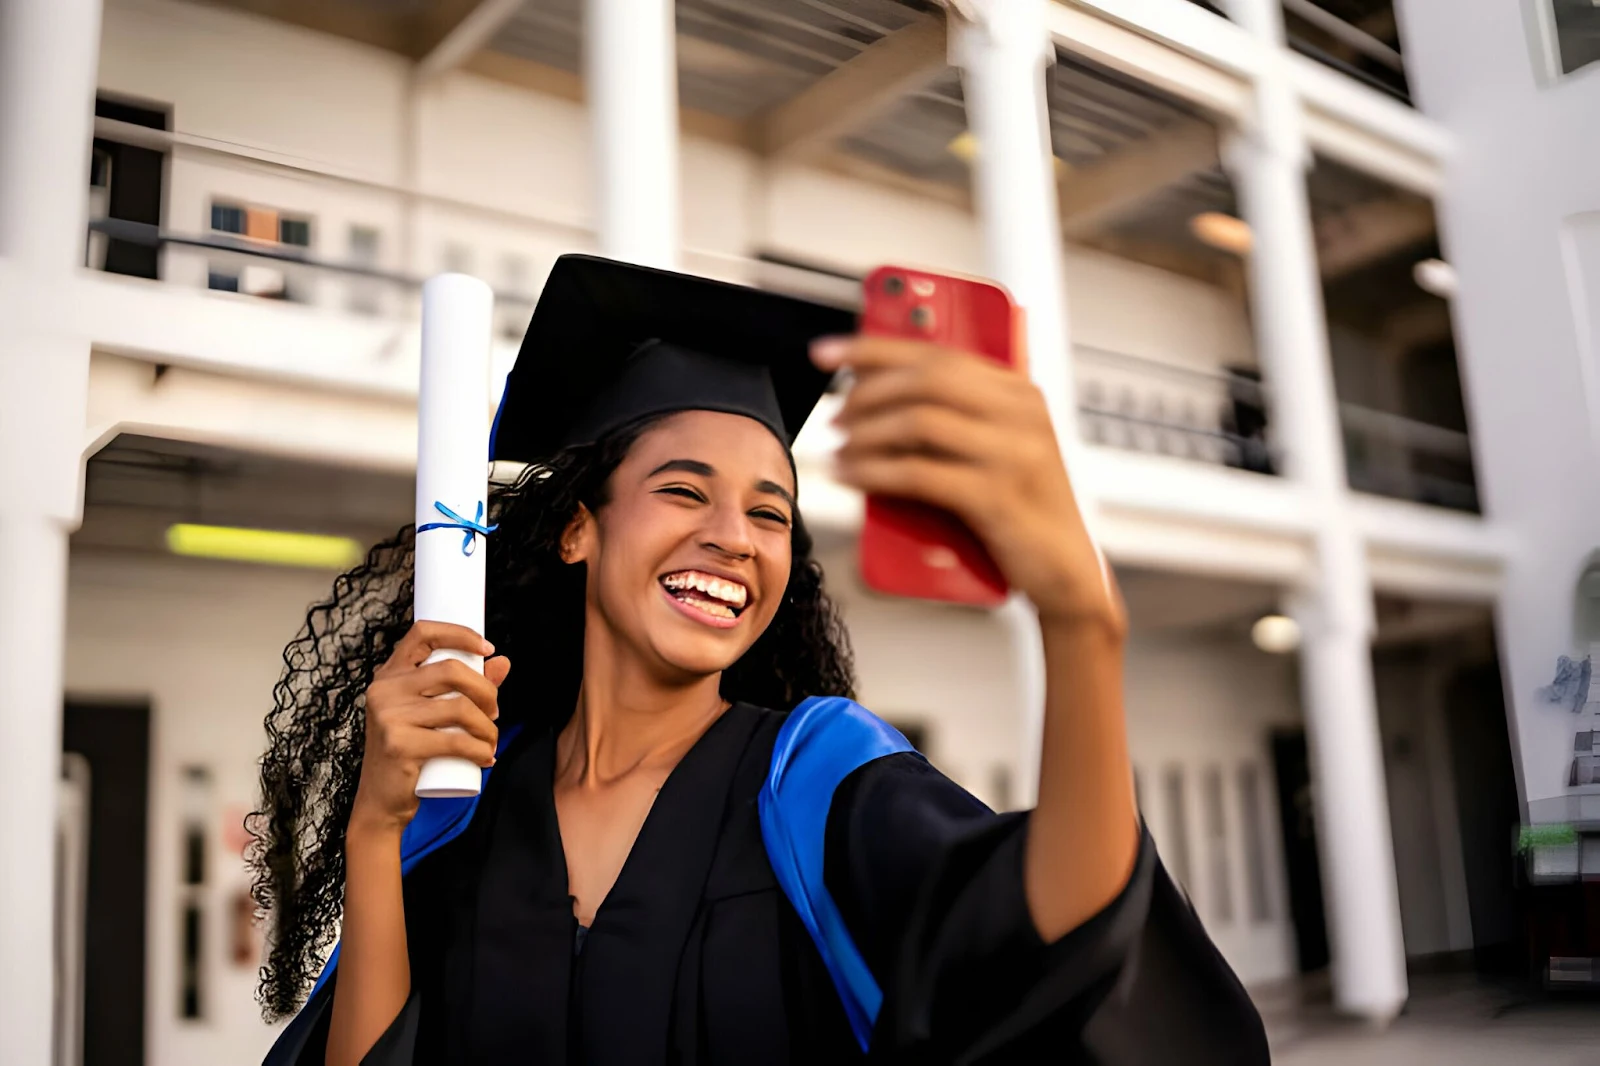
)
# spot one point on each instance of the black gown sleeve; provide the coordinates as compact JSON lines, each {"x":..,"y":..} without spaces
{"x":930,"y":884}
{"x":304,"y":1040}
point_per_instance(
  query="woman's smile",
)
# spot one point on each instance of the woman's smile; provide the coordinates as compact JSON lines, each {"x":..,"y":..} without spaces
{"x":707,"y":598}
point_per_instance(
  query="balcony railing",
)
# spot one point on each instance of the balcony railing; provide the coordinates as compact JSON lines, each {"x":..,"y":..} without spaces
{"x":1146,"y":405}
{"x":1314,"y":29}
{"x":291,"y":274}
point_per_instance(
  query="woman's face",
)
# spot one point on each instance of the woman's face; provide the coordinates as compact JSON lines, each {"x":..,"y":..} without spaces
{"x":689,"y":557}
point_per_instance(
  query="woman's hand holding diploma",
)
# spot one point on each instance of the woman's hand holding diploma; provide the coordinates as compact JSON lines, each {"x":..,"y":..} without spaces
{"x":961,"y":433}
{"x":407,"y":721}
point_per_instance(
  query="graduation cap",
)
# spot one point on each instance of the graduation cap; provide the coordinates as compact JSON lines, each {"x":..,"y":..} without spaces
{"x":611,"y":343}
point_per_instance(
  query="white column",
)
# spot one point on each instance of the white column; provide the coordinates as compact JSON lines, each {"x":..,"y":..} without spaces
{"x":1003,"y":48}
{"x":631,"y":79}
{"x":49,"y":53}
{"x":1268,"y":163}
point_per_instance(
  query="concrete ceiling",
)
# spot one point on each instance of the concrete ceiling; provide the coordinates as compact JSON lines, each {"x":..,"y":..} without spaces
{"x":136,"y":487}
{"x":863,"y":86}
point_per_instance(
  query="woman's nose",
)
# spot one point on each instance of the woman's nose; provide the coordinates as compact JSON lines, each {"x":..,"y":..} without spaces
{"x":728,"y":531}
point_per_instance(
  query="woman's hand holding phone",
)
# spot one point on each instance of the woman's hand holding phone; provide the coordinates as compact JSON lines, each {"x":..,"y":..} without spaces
{"x":964,"y":434}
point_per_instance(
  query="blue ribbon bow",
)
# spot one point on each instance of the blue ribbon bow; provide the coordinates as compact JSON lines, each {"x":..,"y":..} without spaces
{"x":472,"y":526}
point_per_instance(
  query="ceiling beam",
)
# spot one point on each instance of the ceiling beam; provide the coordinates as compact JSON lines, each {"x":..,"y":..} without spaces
{"x":552,"y":81}
{"x":855,"y":93}
{"x":1101,"y":192}
{"x":1366,"y":233}
{"x":852,"y":166}
{"x":446,"y":47}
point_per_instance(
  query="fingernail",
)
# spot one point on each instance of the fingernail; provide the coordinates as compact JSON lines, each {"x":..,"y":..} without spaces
{"x":829,"y":352}
{"x":488,"y":649}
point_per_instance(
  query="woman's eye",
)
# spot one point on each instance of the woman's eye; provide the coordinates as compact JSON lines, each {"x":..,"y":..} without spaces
{"x":682,"y":490}
{"x":771,"y":516}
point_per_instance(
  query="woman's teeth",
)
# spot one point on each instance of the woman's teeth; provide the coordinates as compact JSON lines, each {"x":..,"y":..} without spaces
{"x":716,"y":595}
{"x":719,"y":610}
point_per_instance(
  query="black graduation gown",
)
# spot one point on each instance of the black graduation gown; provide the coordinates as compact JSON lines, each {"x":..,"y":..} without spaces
{"x":696,"y":958}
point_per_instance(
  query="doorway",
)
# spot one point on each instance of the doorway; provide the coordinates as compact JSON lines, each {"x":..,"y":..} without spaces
{"x":1297,"y":820}
{"x":108,"y":754}
{"x":127,"y":183}
{"x":1489,"y":812}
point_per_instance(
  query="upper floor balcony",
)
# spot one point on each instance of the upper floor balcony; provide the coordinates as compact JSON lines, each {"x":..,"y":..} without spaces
{"x":289,"y":243}
{"x":1358,"y":38}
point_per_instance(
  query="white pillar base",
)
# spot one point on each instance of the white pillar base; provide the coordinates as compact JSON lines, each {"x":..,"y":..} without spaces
{"x":33,"y":566}
{"x":1354,"y":842}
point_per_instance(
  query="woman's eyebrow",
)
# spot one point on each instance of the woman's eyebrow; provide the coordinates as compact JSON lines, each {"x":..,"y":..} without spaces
{"x":703,"y":469}
{"x":685,"y":466}
{"x":772,"y":488}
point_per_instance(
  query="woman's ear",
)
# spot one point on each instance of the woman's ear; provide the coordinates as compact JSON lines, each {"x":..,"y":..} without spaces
{"x":577,"y":540}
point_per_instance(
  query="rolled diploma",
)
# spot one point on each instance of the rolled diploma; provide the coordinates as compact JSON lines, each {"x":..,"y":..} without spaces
{"x":452,"y":469}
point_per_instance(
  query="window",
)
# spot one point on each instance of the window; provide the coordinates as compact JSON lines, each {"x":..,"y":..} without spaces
{"x":100,"y":166}
{"x":197,"y":808}
{"x":295,"y":231}
{"x":1255,"y":844}
{"x":456,"y":259}
{"x":1176,"y":846}
{"x":1001,"y":787}
{"x":364,"y":246}
{"x":364,"y":295}
{"x":511,"y":308}
{"x":1577,"y":33}
{"x":1219,"y":881}
{"x":227,"y":218}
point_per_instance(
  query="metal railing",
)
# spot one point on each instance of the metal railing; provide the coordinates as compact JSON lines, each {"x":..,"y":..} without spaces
{"x":1387,"y":73}
{"x":1222,"y":417}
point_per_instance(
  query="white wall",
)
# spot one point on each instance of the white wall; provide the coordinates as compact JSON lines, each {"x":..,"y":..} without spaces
{"x":1198,"y":705}
{"x":202,"y":642}
{"x":255,"y":81}
{"x":1525,"y":172}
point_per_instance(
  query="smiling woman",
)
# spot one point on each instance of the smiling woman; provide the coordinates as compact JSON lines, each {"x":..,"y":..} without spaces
{"x":693,"y":847}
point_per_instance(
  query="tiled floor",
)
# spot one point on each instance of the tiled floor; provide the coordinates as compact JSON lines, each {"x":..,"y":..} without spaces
{"x":1449,"y":1021}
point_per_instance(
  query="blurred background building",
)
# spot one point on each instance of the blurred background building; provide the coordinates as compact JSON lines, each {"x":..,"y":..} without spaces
{"x":1320,"y":282}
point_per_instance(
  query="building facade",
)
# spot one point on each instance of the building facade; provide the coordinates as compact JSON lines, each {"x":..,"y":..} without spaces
{"x":1311,"y":294}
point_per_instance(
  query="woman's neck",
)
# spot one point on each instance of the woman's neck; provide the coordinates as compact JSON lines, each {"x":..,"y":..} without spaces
{"x":629,"y":720}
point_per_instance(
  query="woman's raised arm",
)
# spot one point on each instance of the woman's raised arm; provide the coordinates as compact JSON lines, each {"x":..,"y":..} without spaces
{"x":405,"y":728}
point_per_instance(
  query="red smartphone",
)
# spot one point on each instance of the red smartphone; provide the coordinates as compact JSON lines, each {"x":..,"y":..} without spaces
{"x":912,"y":549}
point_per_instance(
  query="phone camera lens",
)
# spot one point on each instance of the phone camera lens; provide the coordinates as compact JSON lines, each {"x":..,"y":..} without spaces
{"x":922,"y":316}
{"x":894,"y":285}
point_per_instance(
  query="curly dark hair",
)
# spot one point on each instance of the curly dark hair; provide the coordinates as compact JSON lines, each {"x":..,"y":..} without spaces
{"x":534,"y":615}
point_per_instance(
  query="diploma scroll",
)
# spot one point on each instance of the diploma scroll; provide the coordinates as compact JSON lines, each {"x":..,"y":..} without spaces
{"x":453,"y":483}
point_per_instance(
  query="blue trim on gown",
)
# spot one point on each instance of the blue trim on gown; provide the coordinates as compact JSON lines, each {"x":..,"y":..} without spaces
{"x":823,"y":742}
